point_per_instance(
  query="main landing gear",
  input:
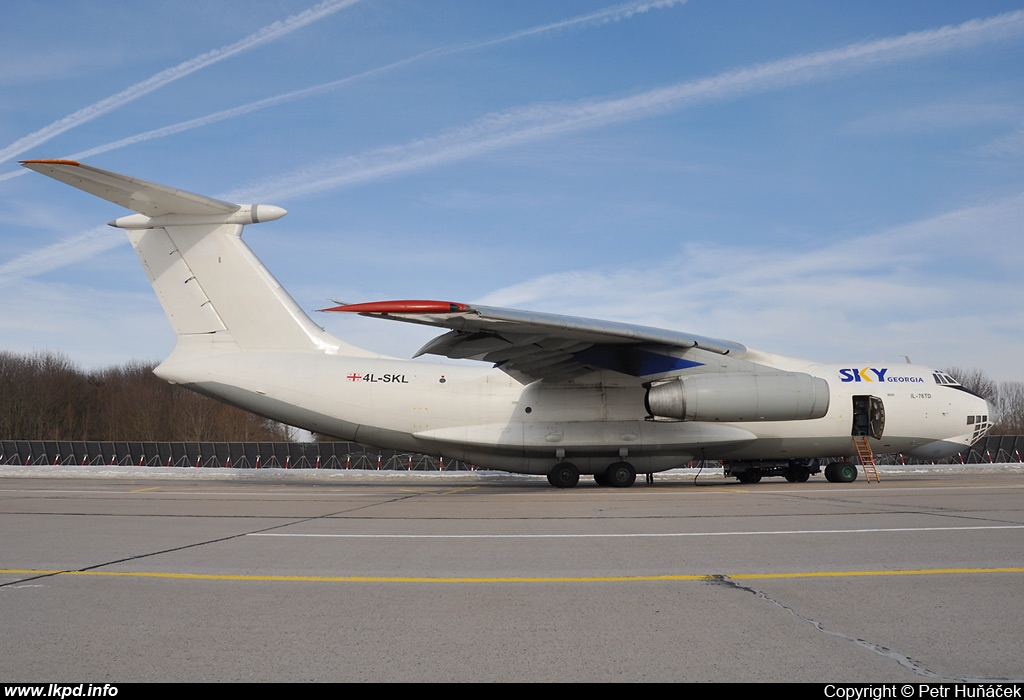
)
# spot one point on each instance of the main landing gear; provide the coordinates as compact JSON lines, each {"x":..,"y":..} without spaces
{"x":565,"y":475}
{"x":750,"y":476}
{"x":841,"y":472}
{"x":794,"y":470}
{"x":798,"y":474}
{"x":620,"y":474}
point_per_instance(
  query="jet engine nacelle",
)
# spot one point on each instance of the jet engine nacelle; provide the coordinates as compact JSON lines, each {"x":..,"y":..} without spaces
{"x":735,"y":397}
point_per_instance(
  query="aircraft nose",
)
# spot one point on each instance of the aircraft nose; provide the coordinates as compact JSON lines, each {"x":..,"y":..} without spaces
{"x":982,"y":418}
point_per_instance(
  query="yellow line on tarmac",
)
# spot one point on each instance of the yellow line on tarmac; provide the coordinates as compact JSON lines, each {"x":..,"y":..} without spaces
{"x":894,"y":572}
{"x":505,"y":579}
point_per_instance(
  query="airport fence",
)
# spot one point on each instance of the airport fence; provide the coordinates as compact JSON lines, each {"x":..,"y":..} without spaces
{"x":238,"y":455}
{"x":338,"y":455}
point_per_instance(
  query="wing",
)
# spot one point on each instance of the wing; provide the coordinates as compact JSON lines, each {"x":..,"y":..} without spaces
{"x":532,"y":345}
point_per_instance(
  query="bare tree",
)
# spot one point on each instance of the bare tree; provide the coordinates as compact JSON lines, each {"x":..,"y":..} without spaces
{"x":1006,"y":399}
{"x":1010,"y":409}
{"x":45,"y":397}
{"x":975,"y":380}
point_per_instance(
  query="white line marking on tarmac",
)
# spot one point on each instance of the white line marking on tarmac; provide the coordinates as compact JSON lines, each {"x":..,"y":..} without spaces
{"x":636,"y":534}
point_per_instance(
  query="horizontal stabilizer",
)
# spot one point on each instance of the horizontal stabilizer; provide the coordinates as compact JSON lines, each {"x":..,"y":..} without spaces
{"x":216,"y":293}
{"x":132,"y":193}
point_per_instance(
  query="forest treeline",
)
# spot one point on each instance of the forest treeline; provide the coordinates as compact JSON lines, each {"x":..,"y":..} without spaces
{"x":44,"y":396}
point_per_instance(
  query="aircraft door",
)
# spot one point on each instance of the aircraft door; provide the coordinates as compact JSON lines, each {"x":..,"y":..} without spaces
{"x":868,"y":416}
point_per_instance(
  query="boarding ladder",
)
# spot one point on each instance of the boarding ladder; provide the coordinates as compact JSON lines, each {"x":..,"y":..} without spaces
{"x":867,"y":459}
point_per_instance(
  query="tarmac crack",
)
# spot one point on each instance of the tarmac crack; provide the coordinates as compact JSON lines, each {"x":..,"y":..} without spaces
{"x":885,"y":652}
{"x":135,"y":557}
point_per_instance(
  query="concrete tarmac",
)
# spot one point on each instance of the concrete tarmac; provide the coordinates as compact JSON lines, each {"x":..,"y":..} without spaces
{"x":491,"y":578}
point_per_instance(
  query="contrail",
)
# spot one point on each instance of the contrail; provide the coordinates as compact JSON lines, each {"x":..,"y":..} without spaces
{"x":98,"y":240}
{"x":610,"y":14}
{"x":537,"y":122}
{"x":503,"y":130}
{"x":64,"y":252}
{"x":97,"y":109}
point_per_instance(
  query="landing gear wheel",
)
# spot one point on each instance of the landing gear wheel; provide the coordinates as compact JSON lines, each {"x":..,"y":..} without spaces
{"x":621,"y":475}
{"x":791,"y":476}
{"x":751,"y":476}
{"x":800,"y":474}
{"x":601,"y":479}
{"x":841,"y":472}
{"x":564,"y":475}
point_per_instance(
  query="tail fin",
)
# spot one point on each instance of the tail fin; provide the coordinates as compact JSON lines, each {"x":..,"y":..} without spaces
{"x":211,"y":285}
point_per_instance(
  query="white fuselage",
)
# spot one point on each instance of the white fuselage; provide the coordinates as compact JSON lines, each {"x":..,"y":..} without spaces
{"x":485,"y":417}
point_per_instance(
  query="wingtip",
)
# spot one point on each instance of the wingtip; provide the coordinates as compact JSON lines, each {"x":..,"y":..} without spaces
{"x":409,"y":306}
{"x":50,"y":161}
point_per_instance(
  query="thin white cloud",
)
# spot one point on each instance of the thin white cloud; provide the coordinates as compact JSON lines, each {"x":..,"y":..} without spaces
{"x":915,"y":289}
{"x":529,"y":124}
{"x":18,"y":67}
{"x":98,"y":240}
{"x":906,"y":255}
{"x":933,"y":119}
{"x":1009,"y":146}
{"x":97,"y":109}
{"x":610,"y":14}
{"x":63,"y":252}
{"x":106,"y":325}
{"x":503,"y":130}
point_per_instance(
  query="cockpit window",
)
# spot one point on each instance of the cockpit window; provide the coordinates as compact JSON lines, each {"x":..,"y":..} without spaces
{"x":943,"y":379}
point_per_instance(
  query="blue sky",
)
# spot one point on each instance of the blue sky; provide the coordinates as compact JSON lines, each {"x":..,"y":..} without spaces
{"x":837,"y":181}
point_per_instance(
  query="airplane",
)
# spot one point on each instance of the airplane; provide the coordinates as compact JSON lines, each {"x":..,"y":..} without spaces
{"x":559,"y":396}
